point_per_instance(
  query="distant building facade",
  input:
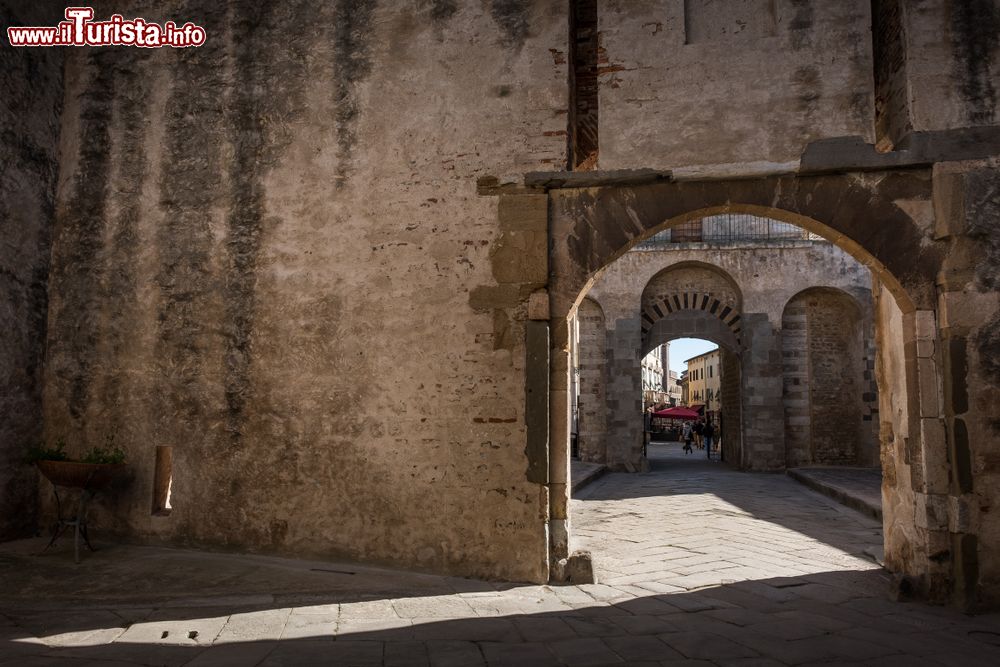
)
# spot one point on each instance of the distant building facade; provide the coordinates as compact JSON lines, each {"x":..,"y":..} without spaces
{"x":704,"y":377}
{"x":673,"y":387}
{"x":655,"y":367}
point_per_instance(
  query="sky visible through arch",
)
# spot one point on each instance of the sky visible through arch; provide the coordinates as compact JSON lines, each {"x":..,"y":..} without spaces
{"x":683,"y":349}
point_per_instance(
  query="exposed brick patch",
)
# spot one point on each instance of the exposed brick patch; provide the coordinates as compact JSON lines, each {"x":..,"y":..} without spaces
{"x":584,"y":113}
{"x":892,"y":112}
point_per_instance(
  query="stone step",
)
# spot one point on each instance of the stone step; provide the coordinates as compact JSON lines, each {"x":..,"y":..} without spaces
{"x":857,"y":488}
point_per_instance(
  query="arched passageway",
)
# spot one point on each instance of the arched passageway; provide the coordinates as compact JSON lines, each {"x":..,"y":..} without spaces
{"x":740,"y":267}
{"x":863,"y":215}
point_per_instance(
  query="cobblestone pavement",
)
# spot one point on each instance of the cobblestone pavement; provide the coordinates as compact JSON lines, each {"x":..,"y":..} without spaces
{"x":700,"y":565}
{"x":692,"y":523}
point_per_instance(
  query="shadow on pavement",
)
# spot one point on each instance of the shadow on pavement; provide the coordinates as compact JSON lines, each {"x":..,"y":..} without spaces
{"x":842,"y":617}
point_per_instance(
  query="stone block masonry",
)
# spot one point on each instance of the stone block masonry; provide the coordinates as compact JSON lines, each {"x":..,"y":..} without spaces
{"x":308,"y":257}
{"x":801,"y":374}
{"x":318,"y":310}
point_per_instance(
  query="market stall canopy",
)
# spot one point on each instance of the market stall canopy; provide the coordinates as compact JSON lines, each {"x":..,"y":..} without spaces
{"x":678,"y":413}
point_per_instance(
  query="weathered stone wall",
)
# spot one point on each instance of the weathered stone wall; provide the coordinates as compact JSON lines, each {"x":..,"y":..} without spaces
{"x":823,"y":346}
{"x":870,"y":455}
{"x":239,"y":225}
{"x":624,"y":394}
{"x":805,"y":67}
{"x":968,"y":208}
{"x":694,"y":278}
{"x":835,"y":364}
{"x":731,"y":425}
{"x":31,"y":88}
{"x":262,"y":262}
{"x":901,"y":540}
{"x":592,"y":428}
{"x":952,"y":62}
{"x":795,"y":391}
{"x":690,"y":96}
{"x":915,"y":544}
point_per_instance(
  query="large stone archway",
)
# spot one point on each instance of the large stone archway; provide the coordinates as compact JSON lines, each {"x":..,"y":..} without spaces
{"x":667,"y":291}
{"x":885,"y":221}
{"x":688,"y":299}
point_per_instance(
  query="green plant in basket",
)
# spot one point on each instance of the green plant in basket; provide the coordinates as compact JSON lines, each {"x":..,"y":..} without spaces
{"x":39,"y":452}
{"x":112,"y":455}
{"x":109,"y":454}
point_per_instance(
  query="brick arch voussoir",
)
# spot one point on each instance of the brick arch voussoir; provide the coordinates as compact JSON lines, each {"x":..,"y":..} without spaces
{"x":728,"y":315}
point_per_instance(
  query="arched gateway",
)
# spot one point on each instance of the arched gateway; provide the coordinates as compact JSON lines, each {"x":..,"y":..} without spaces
{"x":886,"y":221}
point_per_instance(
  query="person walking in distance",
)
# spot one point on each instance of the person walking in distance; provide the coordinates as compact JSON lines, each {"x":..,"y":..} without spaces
{"x":688,"y":435}
{"x":698,"y":427}
{"x":708,"y":433}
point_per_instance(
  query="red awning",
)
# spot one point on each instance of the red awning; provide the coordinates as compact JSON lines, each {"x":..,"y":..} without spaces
{"x":678,"y":413}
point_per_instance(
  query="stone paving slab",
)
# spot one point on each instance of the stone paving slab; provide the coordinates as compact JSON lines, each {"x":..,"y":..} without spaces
{"x":697,"y":565}
{"x":582,"y":473}
{"x":857,"y":488}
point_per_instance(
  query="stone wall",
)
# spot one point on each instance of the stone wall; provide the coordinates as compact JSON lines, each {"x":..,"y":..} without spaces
{"x":897,"y":395}
{"x":271,"y":255}
{"x":823,"y":339}
{"x":765,"y":278}
{"x":701,"y":279}
{"x":795,"y":375}
{"x":952,"y":82}
{"x":731,"y":426}
{"x":835,"y":365}
{"x":31,"y":86}
{"x":805,"y":67}
{"x":967,"y":432}
{"x":925,"y":83}
{"x":592,"y":427}
{"x":261,"y":262}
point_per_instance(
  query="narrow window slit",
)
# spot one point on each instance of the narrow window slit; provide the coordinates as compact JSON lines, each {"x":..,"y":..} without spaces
{"x":583,"y":114}
{"x":162,"y":480}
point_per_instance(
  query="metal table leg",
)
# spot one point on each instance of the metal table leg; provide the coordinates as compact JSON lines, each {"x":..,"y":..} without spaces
{"x":79,"y":523}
